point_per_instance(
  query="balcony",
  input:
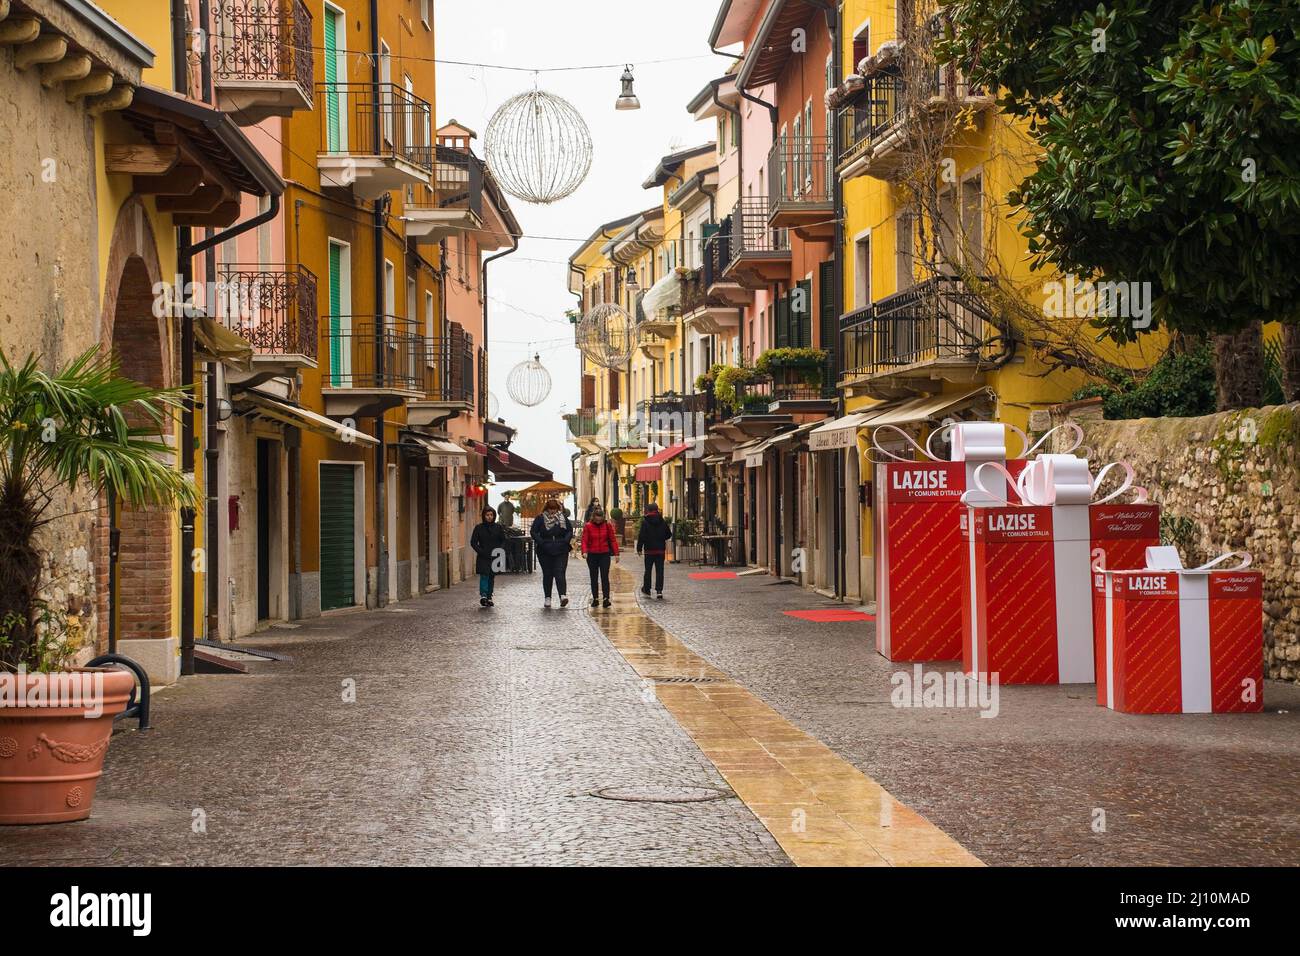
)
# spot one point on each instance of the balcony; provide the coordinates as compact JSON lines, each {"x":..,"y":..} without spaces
{"x":584,"y":425}
{"x":767,"y":395}
{"x":717,"y":255}
{"x":447,"y":379}
{"x":901,"y":343}
{"x":708,"y":314}
{"x":262,"y":59}
{"x":878,"y":139}
{"x":800,"y":175}
{"x":760,"y":255}
{"x":373,"y":138}
{"x":453,"y":204}
{"x":274,"y":308}
{"x":375,"y":363}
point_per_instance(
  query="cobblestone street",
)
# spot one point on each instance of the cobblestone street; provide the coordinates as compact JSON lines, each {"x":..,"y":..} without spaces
{"x":479,"y":737}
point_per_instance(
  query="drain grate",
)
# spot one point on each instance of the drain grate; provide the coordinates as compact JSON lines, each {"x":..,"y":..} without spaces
{"x":686,"y":680}
{"x":663,"y":794}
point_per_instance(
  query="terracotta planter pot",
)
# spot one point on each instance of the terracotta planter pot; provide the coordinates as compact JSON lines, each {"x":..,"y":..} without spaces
{"x":51,"y":758}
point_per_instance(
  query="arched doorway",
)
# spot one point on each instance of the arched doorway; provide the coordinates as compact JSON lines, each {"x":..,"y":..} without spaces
{"x":134,"y":545}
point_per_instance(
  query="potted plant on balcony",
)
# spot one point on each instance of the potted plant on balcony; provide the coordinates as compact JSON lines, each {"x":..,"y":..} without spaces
{"x":725,"y":381}
{"x":81,"y":428}
{"x":802,"y":364}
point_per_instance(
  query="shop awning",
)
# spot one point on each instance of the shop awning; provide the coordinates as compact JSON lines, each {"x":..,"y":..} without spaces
{"x":839,"y":433}
{"x":509,"y":466}
{"x":922,"y":409}
{"x":441,"y":453}
{"x":651,"y":469}
{"x":741,"y":452}
{"x":793,"y":438}
{"x":214,"y":341}
{"x":303,"y":418}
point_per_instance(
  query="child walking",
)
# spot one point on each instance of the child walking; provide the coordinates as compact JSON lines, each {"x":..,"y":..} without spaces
{"x":489,"y":543}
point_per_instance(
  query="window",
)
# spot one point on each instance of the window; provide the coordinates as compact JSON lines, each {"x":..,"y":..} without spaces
{"x":862,"y":272}
{"x":972,"y":221}
{"x":425,"y":18}
{"x":408,"y":114}
{"x":722,"y":134}
{"x":903,"y":245}
{"x":428,"y":320}
{"x":861,"y":45}
{"x":386,"y":91}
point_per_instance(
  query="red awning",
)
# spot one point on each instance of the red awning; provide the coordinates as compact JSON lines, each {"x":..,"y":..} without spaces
{"x":509,"y":466}
{"x":649,"y":469}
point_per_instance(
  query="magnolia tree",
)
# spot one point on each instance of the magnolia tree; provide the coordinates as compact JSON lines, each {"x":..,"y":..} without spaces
{"x":1168,"y":134}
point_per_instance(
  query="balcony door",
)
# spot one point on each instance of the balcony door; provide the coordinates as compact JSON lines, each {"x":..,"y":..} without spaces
{"x":336,"y":72}
{"x":340,"y":318}
{"x":386,"y":90}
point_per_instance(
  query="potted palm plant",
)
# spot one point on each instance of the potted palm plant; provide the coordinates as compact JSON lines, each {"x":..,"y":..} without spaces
{"x":82,"y":428}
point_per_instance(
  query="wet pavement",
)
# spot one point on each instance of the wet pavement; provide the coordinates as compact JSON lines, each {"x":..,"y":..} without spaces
{"x":480,"y":736}
{"x":476,"y":737}
{"x":1036,"y":783}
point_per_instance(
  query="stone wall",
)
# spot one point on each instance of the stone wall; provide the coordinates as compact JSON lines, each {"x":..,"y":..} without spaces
{"x":1229,"y":481}
{"x":50,"y":304}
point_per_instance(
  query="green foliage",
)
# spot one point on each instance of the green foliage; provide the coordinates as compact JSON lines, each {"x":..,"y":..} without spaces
{"x":1169,"y":132}
{"x":85,"y":426}
{"x":54,"y":640}
{"x":573,"y":315}
{"x":1180,"y":385}
{"x":807,"y":361}
{"x":615,"y":513}
{"x":1184,"y":534}
{"x":1273,"y":372}
{"x":725,"y":380}
{"x":687,"y":531}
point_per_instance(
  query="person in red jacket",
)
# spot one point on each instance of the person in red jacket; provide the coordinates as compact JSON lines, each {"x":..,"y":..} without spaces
{"x":599,"y":544}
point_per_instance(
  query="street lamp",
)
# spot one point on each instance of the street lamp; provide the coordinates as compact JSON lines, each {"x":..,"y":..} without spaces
{"x":627,"y":99}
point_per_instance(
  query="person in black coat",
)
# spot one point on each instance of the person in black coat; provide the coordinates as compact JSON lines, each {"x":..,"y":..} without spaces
{"x":652,"y":541}
{"x":489,"y":543}
{"x":552,"y":534}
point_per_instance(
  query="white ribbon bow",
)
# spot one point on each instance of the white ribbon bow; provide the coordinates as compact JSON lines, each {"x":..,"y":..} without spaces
{"x":974,"y":441}
{"x":1056,"y":480}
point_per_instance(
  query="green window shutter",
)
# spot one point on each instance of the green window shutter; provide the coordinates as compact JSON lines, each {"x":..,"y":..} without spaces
{"x":783,"y":322}
{"x":337,"y":536}
{"x":335,"y":306}
{"x":331,"y":77}
{"x":802,"y":332}
{"x":829,"y":321}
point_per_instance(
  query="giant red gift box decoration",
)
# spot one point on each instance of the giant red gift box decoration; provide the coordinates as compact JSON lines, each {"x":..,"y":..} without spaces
{"x":1028,"y":610}
{"x":1178,"y":640}
{"x":920,"y":567}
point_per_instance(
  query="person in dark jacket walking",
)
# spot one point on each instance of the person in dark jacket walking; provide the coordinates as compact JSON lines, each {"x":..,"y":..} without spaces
{"x":489,"y":543}
{"x":652,"y":541}
{"x":599,"y":544}
{"x":552,"y":535}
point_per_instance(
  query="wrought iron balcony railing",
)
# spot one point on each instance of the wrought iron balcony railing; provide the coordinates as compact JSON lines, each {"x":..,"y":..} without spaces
{"x":755,"y":397}
{"x":880,"y":109}
{"x":457,"y":183}
{"x":799,"y":172}
{"x":448,"y":368}
{"x":717,"y":253}
{"x":751,"y":236}
{"x":267,"y":40}
{"x":372,"y":352}
{"x":272,"y":306}
{"x":584,"y":423}
{"x":348,"y":122}
{"x":938,"y":320}
{"x":694,"y":291}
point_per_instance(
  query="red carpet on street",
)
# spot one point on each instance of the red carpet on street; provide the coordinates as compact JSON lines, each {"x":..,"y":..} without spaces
{"x":830,"y":615}
{"x":712,"y":575}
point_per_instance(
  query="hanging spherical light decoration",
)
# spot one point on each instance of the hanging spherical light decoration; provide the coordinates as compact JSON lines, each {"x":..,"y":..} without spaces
{"x":494,"y":406}
{"x":607,"y":335}
{"x":529,"y":383}
{"x":538,"y":147}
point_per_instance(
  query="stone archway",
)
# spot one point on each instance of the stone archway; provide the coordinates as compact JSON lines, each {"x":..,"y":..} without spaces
{"x":141,"y":342}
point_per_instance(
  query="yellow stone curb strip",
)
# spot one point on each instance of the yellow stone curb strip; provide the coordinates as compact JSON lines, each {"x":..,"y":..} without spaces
{"x":821,"y":809}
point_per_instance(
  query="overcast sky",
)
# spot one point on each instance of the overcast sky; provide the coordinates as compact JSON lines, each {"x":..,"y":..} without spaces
{"x":528,"y":294}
